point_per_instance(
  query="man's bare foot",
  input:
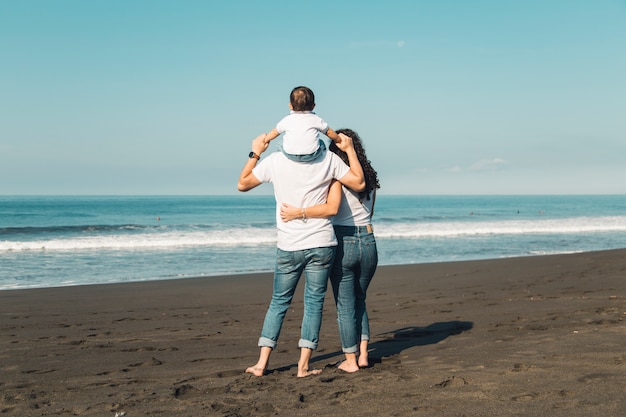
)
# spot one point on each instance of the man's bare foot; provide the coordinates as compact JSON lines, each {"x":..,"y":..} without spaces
{"x":349,"y":366}
{"x":303,"y":373}
{"x":256,"y":370}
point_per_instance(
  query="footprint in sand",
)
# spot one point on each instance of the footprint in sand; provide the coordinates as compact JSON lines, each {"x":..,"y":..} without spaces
{"x":39,"y":371}
{"x":453,"y":381}
{"x":226,"y":374}
{"x":186,"y":391}
{"x":520,"y":367}
{"x":153,"y":362}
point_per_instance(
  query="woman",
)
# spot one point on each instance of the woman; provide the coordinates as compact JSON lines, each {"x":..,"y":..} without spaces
{"x":357,"y":256}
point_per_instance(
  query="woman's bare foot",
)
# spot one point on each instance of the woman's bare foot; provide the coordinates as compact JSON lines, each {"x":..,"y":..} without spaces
{"x":303,"y":373}
{"x":363,"y":359}
{"x":256,"y":370}
{"x":349,"y":366}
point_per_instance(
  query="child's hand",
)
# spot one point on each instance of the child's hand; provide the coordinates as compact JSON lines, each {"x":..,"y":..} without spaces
{"x":271,"y":135}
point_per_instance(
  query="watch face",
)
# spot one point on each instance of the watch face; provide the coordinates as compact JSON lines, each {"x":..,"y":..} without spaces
{"x":251,"y":155}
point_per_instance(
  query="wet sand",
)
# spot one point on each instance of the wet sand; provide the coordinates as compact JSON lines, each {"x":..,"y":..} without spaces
{"x":541,"y":335}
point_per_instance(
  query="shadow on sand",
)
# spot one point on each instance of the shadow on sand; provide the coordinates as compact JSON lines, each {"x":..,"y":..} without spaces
{"x":395,"y":341}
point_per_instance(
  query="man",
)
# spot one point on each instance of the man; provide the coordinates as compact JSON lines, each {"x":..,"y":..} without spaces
{"x":305,"y":245}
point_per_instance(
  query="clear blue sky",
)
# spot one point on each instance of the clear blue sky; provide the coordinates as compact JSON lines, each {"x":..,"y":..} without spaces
{"x":450,"y":97}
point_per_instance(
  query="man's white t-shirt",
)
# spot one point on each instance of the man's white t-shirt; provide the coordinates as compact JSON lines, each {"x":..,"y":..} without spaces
{"x":301,"y":131}
{"x":301,"y":184}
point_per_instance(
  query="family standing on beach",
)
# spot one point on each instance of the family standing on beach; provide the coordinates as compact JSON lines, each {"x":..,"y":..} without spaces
{"x":325,"y":201}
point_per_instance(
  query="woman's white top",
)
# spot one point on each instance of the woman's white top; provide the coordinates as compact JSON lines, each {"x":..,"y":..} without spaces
{"x":352,"y":211}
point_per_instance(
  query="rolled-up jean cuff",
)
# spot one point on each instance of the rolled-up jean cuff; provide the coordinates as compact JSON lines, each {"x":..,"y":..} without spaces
{"x":265,"y":342}
{"x":353,"y":349}
{"x":307,"y":344}
{"x":365,"y":337}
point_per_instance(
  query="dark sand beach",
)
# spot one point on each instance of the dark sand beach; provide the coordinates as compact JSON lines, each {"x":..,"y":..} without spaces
{"x":530,"y":336}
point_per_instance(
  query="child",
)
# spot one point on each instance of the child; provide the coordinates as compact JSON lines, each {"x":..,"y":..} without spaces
{"x":301,"y":128}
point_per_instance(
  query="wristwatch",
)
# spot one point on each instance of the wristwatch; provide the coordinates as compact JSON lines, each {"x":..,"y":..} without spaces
{"x":253,"y":155}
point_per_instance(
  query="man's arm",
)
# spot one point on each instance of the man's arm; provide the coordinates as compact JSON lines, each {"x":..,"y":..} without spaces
{"x":247,"y":180}
{"x":328,"y":209}
{"x":354,"y":179}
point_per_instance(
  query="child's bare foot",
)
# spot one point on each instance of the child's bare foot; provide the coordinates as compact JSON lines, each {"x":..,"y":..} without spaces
{"x":256,"y":370}
{"x":303,"y":373}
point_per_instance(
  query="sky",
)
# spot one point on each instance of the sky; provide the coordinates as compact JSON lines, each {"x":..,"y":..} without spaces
{"x":164,"y":97}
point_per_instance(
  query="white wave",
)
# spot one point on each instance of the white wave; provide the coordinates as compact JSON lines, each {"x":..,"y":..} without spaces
{"x":552,"y":252}
{"x":169,"y":240}
{"x":267,"y":235}
{"x":505,"y":227}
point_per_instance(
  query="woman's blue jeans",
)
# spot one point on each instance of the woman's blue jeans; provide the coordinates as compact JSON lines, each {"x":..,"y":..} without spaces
{"x":353,"y":270}
{"x":316,"y":264}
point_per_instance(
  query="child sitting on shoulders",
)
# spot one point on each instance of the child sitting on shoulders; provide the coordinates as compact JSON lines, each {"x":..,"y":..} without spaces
{"x":301,"y":128}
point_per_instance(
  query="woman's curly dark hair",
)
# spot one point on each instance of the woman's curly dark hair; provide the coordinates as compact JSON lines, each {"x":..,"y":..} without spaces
{"x":371,"y":177}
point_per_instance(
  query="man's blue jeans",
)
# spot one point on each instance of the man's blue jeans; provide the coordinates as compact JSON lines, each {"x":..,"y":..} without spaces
{"x":354,"y":268}
{"x":316,"y":264}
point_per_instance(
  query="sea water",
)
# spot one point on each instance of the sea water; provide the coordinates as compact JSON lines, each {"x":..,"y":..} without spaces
{"x":48,"y":241}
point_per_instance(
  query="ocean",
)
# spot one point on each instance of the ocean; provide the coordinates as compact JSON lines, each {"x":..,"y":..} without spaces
{"x":51,"y":241}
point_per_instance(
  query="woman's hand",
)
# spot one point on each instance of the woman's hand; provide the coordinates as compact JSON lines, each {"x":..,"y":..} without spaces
{"x":288,"y":212}
{"x":344,"y":142}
